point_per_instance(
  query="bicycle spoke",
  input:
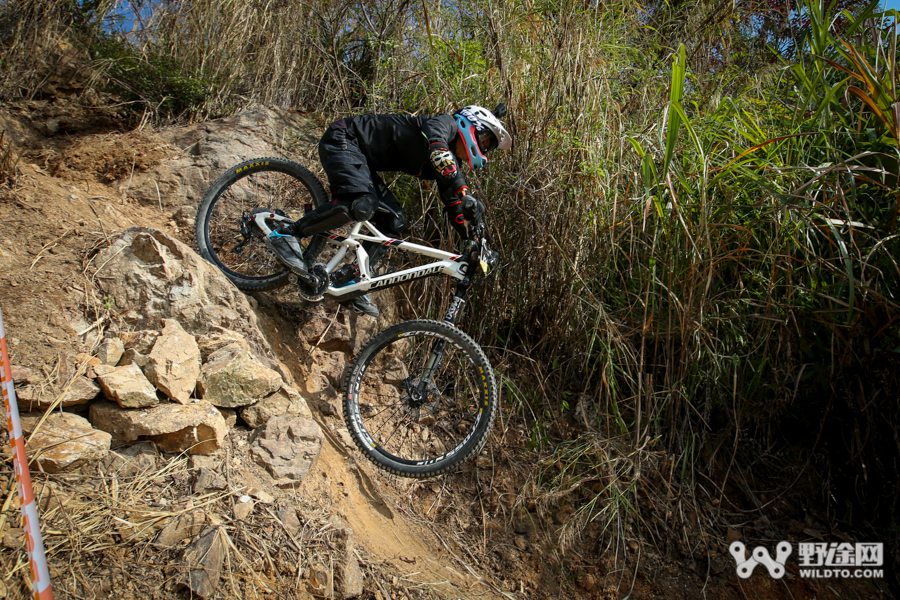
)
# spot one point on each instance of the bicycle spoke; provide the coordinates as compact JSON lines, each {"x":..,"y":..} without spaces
{"x":418,"y":399}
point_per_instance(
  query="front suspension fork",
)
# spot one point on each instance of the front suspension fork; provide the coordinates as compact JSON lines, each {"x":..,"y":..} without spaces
{"x":437,"y":352}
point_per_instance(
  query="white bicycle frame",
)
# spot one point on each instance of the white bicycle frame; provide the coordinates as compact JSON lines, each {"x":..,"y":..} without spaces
{"x":447,"y":263}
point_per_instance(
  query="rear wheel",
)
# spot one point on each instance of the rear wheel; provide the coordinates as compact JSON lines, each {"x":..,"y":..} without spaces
{"x":420,"y":398}
{"x":240,"y":252}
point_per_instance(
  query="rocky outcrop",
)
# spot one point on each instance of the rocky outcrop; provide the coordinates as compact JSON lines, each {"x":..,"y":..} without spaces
{"x":211,"y":148}
{"x":197,"y":428}
{"x":126,"y":386}
{"x":155,"y":277}
{"x":287,"y":447}
{"x":64,"y":441}
{"x":232,"y":377}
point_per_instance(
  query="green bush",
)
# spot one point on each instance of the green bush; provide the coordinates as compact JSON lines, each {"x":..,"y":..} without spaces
{"x":155,"y":81}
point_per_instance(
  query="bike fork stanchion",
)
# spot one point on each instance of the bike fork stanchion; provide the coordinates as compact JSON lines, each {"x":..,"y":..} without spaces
{"x":437,"y":353}
{"x":34,"y":544}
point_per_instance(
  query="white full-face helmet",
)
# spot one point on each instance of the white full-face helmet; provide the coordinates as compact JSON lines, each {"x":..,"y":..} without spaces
{"x":482,"y":132}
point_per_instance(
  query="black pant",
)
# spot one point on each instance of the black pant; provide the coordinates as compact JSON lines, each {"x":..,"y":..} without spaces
{"x":349,"y":176}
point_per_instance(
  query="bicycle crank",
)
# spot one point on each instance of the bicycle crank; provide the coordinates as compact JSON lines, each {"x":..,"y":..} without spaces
{"x":313,"y":289}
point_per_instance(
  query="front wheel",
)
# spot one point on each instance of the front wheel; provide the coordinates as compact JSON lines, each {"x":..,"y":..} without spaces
{"x":420,"y":398}
{"x":226,"y":238}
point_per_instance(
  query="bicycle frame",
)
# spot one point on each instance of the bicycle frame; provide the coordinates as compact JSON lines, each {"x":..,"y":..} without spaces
{"x":455,"y":266}
{"x":446,"y":263}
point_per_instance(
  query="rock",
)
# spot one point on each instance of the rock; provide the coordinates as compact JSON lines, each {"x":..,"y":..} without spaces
{"x":589,"y":582}
{"x":328,"y":332}
{"x":110,"y":351}
{"x":64,"y":441}
{"x":343,"y":434}
{"x":207,"y":479}
{"x":287,"y":447}
{"x":14,"y":539}
{"x":21,"y":374}
{"x":261,"y":495}
{"x":232,"y":377}
{"x":348,"y":576}
{"x":285,"y":401}
{"x":325,"y":371}
{"x":193,"y":428}
{"x":81,"y":391}
{"x":203,"y":559}
{"x":731,"y":536}
{"x":154,"y":277}
{"x":129,"y":461}
{"x":319,"y":582}
{"x":217,"y":339}
{"x":243,"y":509}
{"x":173,"y":364}
{"x":327,"y":409}
{"x":133,"y":357}
{"x":288,"y":517}
{"x":230,"y":416}
{"x":87,"y":360}
{"x":185,"y":216}
{"x":199,"y":461}
{"x":343,"y":333}
{"x":139,"y":341}
{"x":181,"y":527}
{"x":127,"y":386}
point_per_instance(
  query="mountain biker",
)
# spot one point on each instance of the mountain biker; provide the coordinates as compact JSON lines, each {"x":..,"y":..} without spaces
{"x":354,"y":149}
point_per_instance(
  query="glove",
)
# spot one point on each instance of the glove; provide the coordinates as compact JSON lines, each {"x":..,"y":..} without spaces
{"x":460,"y":211}
{"x":472,"y":208}
{"x":454,"y":210}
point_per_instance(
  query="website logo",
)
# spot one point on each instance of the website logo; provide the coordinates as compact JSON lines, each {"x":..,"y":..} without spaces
{"x":760,"y":556}
{"x":817,"y":560}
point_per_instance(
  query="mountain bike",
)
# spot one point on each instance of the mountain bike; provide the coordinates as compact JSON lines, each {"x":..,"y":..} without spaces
{"x":420,"y":397}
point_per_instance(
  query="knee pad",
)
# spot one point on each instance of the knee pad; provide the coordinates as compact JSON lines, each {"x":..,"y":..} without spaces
{"x":332,"y":218}
{"x":363,"y":207}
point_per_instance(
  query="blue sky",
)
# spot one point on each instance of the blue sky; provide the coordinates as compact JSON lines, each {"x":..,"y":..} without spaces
{"x":893,"y":4}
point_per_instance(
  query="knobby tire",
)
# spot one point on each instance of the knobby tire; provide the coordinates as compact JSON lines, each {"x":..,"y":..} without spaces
{"x":275,"y":184}
{"x":403,"y":430}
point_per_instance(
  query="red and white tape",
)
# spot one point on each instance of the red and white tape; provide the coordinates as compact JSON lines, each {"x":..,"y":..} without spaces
{"x":34,"y":543}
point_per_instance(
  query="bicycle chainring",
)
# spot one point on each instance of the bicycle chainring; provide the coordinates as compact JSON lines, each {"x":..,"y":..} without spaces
{"x":314,"y":293}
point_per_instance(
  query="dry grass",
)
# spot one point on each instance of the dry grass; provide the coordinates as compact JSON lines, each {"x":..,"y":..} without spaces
{"x":101,"y":528}
{"x":9,"y":161}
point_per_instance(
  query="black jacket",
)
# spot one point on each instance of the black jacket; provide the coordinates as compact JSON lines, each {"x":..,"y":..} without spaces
{"x":420,"y":146}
